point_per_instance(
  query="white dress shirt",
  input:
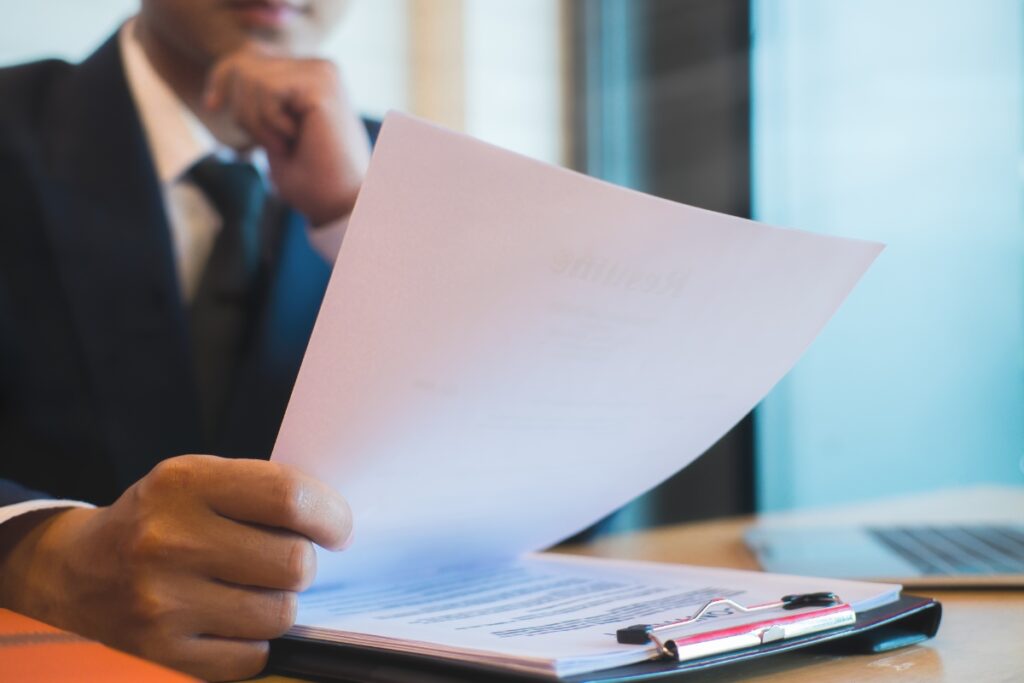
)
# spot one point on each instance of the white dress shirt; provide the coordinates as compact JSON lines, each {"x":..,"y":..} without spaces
{"x":177,"y":140}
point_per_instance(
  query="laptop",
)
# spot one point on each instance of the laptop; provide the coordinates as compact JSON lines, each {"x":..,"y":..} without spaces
{"x":970,"y":537}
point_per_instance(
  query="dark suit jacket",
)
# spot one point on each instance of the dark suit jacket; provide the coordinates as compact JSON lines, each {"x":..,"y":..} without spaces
{"x":96,"y":378}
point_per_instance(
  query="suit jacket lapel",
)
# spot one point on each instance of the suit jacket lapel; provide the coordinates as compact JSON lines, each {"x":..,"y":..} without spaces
{"x":112,"y":244}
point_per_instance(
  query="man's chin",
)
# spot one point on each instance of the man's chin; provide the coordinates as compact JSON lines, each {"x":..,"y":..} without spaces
{"x":294,"y":42}
{"x":269,"y":21}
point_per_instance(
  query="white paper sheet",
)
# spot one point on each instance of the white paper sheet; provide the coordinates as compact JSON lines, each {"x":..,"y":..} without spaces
{"x":508,"y":351}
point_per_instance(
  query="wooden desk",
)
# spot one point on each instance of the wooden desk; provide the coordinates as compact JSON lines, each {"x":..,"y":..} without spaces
{"x":981,"y":639}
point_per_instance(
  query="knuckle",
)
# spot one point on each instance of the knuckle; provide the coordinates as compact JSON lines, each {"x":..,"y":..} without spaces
{"x":253,"y":662}
{"x":247,"y":65}
{"x":149,"y":604}
{"x":174,"y":473}
{"x":322,"y":83}
{"x":300,"y":565}
{"x":287,"y":497}
{"x":284,"y":609}
{"x":230,"y":662}
{"x":145,"y":543}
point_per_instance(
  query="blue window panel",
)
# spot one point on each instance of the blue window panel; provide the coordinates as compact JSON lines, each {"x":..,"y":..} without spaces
{"x":900,"y":122}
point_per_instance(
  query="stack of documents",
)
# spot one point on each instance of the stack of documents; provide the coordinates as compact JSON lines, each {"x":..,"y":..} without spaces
{"x":553,"y":615}
{"x":506,"y":353}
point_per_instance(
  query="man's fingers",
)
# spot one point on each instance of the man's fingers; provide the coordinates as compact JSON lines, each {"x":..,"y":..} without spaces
{"x":273,"y":107}
{"x":241,"y":107}
{"x":228,"y":611}
{"x":222,"y":659}
{"x":217,"y":82}
{"x":252,"y":104}
{"x":279,"y":129}
{"x":248,"y":555}
{"x":276,"y":496}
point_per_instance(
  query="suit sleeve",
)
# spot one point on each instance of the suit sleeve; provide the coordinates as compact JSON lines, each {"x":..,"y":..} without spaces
{"x":15,"y":497}
{"x":12,"y":492}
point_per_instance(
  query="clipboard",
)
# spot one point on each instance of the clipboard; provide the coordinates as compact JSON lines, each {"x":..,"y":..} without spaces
{"x":907,"y":621}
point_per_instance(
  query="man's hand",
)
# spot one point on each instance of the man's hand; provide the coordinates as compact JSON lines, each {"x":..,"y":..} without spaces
{"x":196,"y":566}
{"x":297,"y":110}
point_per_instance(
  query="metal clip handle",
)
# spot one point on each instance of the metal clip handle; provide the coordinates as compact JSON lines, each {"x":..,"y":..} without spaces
{"x":641,"y":634}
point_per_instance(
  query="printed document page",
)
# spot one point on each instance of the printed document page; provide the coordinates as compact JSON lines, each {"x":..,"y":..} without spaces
{"x":550,"y":613}
{"x":508,"y":351}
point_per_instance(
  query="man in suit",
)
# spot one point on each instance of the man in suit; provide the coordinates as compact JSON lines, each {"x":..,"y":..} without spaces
{"x":158,"y":284}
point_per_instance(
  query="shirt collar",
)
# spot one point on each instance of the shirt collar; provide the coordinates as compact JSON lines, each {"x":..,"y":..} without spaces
{"x":177,"y":138}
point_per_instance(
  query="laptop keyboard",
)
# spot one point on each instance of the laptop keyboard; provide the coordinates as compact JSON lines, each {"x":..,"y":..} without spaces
{"x":950,"y":550}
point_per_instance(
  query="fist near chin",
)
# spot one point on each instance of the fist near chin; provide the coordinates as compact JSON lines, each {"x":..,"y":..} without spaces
{"x":196,"y":566}
{"x":299,"y":112}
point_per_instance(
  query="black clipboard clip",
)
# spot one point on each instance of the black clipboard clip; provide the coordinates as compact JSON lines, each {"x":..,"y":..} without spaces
{"x":832,"y":613}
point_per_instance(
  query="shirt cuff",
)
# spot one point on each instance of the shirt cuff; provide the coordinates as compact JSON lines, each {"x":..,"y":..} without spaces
{"x":9,"y":512}
{"x":327,"y":238}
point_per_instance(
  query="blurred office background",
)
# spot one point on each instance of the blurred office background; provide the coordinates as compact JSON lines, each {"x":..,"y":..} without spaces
{"x":895,"y":120}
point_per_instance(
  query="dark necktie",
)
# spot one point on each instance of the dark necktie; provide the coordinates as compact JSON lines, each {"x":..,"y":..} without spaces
{"x":221,"y":312}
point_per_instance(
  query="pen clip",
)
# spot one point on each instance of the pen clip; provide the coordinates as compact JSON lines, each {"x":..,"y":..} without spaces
{"x":641,"y":634}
